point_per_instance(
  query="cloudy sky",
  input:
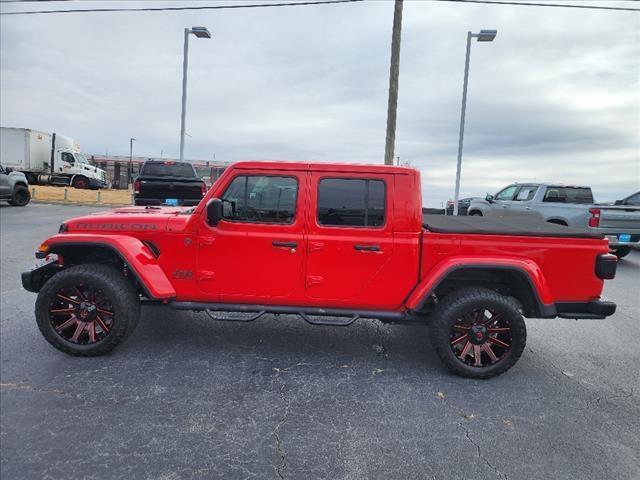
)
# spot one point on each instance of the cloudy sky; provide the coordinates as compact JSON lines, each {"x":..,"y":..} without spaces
{"x":556,"y":97}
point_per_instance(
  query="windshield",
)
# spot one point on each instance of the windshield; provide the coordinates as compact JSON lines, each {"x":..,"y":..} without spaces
{"x":80,"y":158}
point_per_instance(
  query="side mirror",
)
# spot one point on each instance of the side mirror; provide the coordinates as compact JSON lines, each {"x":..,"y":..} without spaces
{"x":619,"y":202}
{"x":489,"y":198}
{"x":214,"y":211}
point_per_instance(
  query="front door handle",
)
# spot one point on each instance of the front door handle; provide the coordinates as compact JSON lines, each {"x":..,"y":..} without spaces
{"x":367,"y":248}
{"x":277,"y":243}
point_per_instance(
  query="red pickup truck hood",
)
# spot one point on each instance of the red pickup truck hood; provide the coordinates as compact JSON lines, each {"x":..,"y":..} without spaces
{"x":129,"y":219}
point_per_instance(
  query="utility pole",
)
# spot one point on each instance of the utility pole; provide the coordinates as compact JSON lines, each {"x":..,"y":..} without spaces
{"x":394,"y":73}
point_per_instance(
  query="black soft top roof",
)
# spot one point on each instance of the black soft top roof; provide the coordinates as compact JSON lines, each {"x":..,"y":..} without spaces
{"x":519,"y":226}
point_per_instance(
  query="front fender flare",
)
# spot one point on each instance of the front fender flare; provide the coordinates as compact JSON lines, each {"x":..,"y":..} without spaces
{"x":135,"y":254}
{"x":528,"y":268}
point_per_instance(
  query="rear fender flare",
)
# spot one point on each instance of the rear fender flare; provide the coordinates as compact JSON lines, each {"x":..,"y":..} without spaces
{"x":136,"y":256}
{"x":528,"y":268}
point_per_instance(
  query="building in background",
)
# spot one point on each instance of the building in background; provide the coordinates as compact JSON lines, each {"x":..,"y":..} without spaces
{"x":116,"y":167}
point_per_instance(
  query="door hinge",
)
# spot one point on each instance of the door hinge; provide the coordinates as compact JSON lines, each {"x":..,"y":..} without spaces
{"x":206,"y":275}
{"x":314,"y":280}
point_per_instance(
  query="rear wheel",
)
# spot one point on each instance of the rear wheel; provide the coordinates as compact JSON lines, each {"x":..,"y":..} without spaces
{"x":87,"y":310}
{"x":478,"y":333}
{"x":475,"y":213}
{"x":20,"y":196}
{"x":621,"y":251}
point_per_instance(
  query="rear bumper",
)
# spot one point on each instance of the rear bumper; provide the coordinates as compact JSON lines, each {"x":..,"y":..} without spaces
{"x":184,"y":202}
{"x":614,"y":241}
{"x":594,"y":310}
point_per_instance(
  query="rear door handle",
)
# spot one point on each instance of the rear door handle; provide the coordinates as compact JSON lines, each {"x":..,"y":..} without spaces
{"x":367,"y":248}
{"x":277,"y":243}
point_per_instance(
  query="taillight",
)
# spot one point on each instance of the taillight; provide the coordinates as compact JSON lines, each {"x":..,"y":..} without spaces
{"x":136,"y":186}
{"x":204,"y":189}
{"x":594,"y":218}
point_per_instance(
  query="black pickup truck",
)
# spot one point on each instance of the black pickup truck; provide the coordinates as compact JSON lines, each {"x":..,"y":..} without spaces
{"x":168,"y":183}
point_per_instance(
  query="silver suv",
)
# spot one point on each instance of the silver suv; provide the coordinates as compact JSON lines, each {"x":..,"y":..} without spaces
{"x":14,"y":187}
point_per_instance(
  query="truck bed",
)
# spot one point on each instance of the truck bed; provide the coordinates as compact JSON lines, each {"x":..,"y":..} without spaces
{"x":517,"y":226}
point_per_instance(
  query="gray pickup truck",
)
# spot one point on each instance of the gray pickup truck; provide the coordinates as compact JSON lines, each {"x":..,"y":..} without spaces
{"x":14,"y":187}
{"x":568,"y":205}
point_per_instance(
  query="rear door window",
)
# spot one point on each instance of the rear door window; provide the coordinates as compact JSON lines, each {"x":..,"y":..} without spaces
{"x":351,"y":202}
{"x":260,"y":199}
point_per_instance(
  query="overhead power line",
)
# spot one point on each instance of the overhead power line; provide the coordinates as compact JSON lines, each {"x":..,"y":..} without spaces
{"x":290,"y":4}
{"x":183,"y":8}
{"x":532,"y":4}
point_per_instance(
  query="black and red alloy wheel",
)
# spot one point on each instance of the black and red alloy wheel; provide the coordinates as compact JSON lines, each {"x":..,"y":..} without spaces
{"x":480,"y":337}
{"x":81,"y":314}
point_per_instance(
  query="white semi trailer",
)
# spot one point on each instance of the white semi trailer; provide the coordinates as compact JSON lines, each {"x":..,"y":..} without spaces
{"x":48,"y":159}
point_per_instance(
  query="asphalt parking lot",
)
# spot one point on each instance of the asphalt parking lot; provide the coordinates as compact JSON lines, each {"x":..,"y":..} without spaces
{"x":188,"y":397}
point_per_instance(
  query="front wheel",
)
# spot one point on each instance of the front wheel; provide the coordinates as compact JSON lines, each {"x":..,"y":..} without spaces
{"x":80,"y":182}
{"x":87,"y":309}
{"x":478,"y":333}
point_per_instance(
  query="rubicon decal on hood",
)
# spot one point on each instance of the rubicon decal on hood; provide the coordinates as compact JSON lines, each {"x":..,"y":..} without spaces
{"x":114,"y":226}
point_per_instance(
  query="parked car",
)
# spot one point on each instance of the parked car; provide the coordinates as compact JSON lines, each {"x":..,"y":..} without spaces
{"x":168,"y":183}
{"x":463,"y":206}
{"x":620,"y":223}
{"x":14,"y":187}
{"x":330,"y":243}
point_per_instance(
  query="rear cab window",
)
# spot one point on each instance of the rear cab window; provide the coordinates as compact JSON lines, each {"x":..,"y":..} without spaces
{"x":351,"y":202}
{"x":168,"y":169}
{"x":579,"y":195}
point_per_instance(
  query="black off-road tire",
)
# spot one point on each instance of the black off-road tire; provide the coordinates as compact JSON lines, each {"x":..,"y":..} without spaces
{"x":121,"y":293}
{"x":20,"y":196}
{"x":453,"y":306}
{"x":621,"y":251}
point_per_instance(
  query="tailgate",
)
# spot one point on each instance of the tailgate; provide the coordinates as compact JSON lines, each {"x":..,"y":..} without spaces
{"x":170,"y":188}
{"x":620,"y":218}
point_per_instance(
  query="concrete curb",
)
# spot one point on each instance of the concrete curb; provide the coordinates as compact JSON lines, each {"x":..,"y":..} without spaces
{"x":80,"y":204}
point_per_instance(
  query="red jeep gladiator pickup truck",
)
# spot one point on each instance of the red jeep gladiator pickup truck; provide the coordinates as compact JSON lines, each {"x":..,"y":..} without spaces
{"x":330,"y":243}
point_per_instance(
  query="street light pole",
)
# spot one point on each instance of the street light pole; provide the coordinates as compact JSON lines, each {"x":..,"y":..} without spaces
{"x":200,"y":32}
{"x":483,"y":36}
{"x":131,"y":140}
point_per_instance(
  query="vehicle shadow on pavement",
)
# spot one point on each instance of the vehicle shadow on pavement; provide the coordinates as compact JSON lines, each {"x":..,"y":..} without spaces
{"x":284,"y":337}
